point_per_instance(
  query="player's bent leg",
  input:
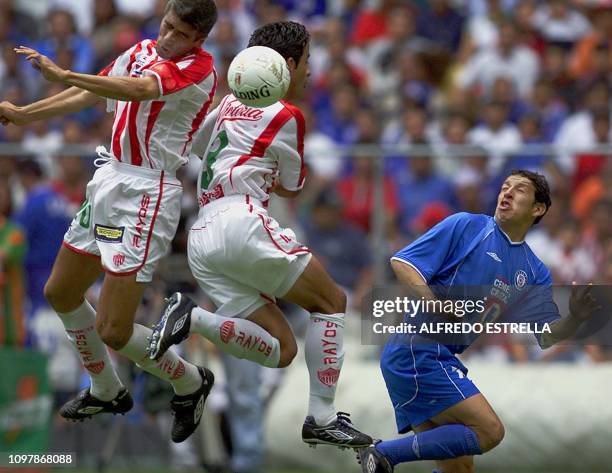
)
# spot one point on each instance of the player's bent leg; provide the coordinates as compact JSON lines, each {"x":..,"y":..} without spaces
{"x":119,"y":299}
{"x":72,"y":275}
{"x":265,"y":338}
{"x":455,"y":465}
{"x":476,"y":413}
{"x":316,"y":292}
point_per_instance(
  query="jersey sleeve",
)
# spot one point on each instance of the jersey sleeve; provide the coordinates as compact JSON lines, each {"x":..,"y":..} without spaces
{"x":183,"y":76}
{"x":289,"y":149}
{"x":429,"y":252}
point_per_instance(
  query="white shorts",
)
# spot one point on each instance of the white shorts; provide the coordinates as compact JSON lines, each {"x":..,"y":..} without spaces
{"x":128,"y":219}
{"x":241,"y":257}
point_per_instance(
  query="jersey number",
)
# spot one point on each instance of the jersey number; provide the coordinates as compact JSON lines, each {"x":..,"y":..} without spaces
{"x":211,"y":157}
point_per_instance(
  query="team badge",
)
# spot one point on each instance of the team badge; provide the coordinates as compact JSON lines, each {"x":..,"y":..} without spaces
{"x":329,"y":377}
{"x":520,"y":279}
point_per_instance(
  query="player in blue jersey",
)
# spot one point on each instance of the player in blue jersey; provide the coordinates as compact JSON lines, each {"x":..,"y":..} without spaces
{"x":431,"y":394}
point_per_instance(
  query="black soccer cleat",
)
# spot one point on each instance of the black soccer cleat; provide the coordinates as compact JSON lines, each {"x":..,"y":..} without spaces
{"x":188,"y":409}
{"x":339,"y":433}
{"x":372,"y":461}
{"x":173,"y":326}
{"x":84,"y":406}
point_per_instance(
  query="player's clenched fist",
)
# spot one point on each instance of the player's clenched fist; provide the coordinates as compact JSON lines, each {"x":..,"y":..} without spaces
{"x":10,"y":113}
{"x":50,"y":71}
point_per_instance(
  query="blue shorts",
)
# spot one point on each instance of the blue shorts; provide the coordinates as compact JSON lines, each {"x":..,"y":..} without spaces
{"x":423,"y":380}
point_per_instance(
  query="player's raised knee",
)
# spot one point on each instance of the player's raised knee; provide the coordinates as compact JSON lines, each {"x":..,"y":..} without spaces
{"x":334,"y":302}
{"x":491,"y":434}
{"x":113,"y":336}
{"x":60,"y":299}
{"x":287,"y":354}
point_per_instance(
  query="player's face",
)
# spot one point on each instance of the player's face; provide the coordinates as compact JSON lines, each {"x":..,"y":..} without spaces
{"x":176,"y":38}
{"x":516,"y":202}
{"x":299,"y":74}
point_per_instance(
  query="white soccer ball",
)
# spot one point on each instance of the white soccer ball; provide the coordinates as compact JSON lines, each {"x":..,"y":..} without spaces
{"x":258,"y":76}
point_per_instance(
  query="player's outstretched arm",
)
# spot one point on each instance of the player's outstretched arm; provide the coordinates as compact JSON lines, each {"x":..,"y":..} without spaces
{"x":582,"y":306}
{"x":131,"y":89}
{"x":68,"y":101}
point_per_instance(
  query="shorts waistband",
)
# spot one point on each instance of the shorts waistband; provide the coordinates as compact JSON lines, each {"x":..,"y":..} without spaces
{"x":233,"y":199}
{"x":139,"y":171}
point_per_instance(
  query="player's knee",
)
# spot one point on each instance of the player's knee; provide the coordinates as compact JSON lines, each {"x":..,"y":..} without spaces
{"x":60,"y":299}
{"x":288,"y":351}
{"x":490,"y":435}
{"x":113,"y":335}
{"x":333,"y":303}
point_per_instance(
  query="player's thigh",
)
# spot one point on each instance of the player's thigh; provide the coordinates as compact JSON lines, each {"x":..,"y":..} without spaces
{"x":119,"y":299}
{"x":71,"y":276}
{"x":273,"y":321}
{"x":476,"y":413}
{"x":455,"y":465}
{"x":316,"y":291}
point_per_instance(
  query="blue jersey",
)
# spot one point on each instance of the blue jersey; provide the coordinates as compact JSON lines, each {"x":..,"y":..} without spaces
{"x":468,"y":256}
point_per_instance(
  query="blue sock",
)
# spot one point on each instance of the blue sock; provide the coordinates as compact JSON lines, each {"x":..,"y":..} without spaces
{"x":441,"y":443}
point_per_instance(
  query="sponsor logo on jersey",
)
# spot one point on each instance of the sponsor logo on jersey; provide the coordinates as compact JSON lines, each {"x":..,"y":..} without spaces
{"x":520,"y":279}
{"x":208,"y":196}
{"x":142,"y":217}
{"x":237,"y":111}
{"x":107,"y":234}
{"x":494,"y":256}
{"x":328,"y":377}
{"x":95,"y":367}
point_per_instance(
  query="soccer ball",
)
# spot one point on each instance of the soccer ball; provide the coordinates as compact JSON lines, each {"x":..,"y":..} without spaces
{"x":258,"y":76}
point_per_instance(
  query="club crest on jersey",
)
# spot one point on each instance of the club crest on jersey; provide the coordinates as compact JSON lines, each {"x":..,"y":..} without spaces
{"x":107,"y":234}
{"x":118,"y":260}
{"x":520,"y":279}
{"x":328,"y":377}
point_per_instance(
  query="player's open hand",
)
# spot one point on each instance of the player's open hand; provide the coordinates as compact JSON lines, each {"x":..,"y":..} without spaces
{"x":50,"y":71}
{"x":582,"y":304}
{"x":10,"y":113}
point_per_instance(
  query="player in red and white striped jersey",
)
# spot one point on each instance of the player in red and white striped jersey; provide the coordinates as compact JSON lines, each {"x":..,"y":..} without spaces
{"x":160,"y":92}
{"x":243,"y":259}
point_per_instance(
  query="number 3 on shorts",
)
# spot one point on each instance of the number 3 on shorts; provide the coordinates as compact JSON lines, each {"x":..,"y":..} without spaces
{"x":211,"y":157}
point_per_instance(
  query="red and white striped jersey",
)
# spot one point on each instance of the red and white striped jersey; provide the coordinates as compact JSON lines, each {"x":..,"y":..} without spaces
{"x":245,"y":149}
{"x":158,"y":133}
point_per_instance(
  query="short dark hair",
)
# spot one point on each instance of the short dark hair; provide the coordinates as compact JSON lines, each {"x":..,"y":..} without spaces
{"x":201,"y":14}
{"x":288,"y":38}
{"x":542,"y":190}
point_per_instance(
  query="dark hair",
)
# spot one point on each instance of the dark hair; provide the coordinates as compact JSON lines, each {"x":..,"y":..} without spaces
{"x":201,"y":14}
{"x":542,"y":191}
{"x":288,"y":38}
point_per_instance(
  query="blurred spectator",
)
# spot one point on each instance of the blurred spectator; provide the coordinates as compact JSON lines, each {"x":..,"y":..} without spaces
{"x":71,"y":180}
{"x":357,"y":193}
{"x":598,"y":234}
{"x":341,"y":247}
{"x":570,"y":262}
{"x":496,"y":134}
{"x":588,"y":164}
{"x":594,"y":48}
{"x":338,"y":120}
{"x":16,"y":25}
{"x":45,"y":216}
{"x":418,"y":185}
{"x":12,"y":252}
{"x":553,"y":111}
{"x":371,"y":23}
{"x":439,"y":22}
{"x":509,"y":59}
{"x":559,"y":23}
{"x":63,"y":35}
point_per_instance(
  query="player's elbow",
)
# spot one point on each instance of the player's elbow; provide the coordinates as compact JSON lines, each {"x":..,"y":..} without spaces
{"x":145,"y":88}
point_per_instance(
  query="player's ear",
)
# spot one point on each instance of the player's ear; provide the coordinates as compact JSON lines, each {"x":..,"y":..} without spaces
{"x":291,"y":64}
{"x":539,"y":209}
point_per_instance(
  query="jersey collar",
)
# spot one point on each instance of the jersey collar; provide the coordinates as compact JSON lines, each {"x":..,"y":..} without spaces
{"x":513,"y":243}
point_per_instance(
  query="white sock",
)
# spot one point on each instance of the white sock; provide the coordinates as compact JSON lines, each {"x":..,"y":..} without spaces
{"x":324,"y":352}
{"x":183,"y":376}
{"x":80,"y":327}
{"x":238,"y":337}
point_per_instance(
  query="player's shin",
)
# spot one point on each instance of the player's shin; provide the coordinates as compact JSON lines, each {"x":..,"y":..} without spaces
{"x":324,"y":352}
{"x":80,"y":325}
{"x":238,"y":337}
{"x":442,"y":443}
{"x":183,"y":376}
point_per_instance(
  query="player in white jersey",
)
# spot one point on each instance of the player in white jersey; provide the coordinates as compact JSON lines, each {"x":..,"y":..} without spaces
{"x":160,"y":92}
{"x":243,"y":259}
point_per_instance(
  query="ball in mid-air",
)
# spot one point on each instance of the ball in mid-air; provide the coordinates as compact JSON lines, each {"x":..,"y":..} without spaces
{"x":258,"y":76}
